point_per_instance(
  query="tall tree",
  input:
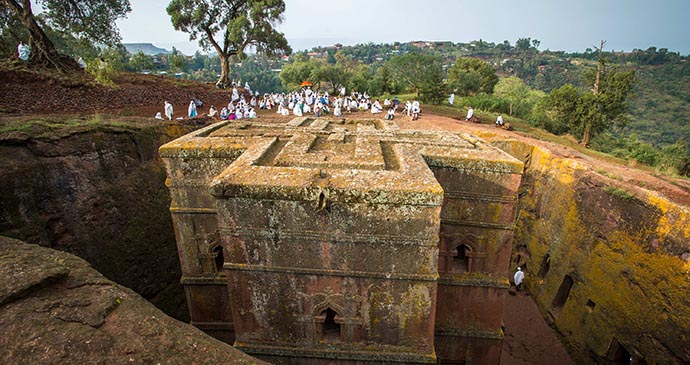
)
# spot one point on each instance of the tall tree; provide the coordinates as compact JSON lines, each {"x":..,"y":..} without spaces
{"x":589,"y":113}
{"x":433,"y":88}
{"x":230,"y":26}
{"x":413,"y":70}
{"x":471,"y":75}
{"x":141,"y":61}
{"x":515,"y":91}
{"x":301,"y":69}
{"x":88,"y":20}
{"x":177,"y":61}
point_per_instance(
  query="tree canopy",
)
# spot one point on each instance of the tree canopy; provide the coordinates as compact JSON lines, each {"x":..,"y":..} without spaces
{"x":90,"y":21}
{"x":588,"y":113}
{"x":231,"y":26}
{"x":415,"y":71}
{"x":521,"y":98}
{"x":469,"y":76}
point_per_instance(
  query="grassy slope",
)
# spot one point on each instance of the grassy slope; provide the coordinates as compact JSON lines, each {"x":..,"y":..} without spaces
{"x":661,"y":105}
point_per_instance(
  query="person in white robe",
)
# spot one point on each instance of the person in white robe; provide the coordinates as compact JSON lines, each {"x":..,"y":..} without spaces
{"x":238,"y":113}
{"x":499,"y":121}
{"x":191,"y":111}
{"x":470,"y":113}
{"x":252,"y":113}
{"x":212,"y":111}
{"x":224,"y":113}
{"x":337,"y":112}
{"x":451,"y":99}
{"x":235,"y":94}
{"x":519,"y":277}
{"x":168,"y":108}
{"x":391,"y":114}
{"x":353,"y":105}
{"x":387,"y":102}
{"x":376,"y":107}
{"x":24,"y":51}
{"x":159,"y":116}
{"x":297,"y":111}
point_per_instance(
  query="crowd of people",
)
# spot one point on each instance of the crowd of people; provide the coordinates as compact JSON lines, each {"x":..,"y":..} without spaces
{"x":307,"y":101}
{"x":300,"y":103}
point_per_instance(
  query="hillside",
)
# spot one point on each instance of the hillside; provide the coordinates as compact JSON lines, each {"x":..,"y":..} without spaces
{"x":147,"y":48}
{"x":661,"y":104}
{"x":659,"y":108}
{"x":36,"y":92}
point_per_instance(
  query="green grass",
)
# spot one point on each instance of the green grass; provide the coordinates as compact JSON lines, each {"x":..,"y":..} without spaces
{"x":522,"y":126}
{"x":620,"y":193}
{"x":26,"y":126}
{"x":59,"y":125}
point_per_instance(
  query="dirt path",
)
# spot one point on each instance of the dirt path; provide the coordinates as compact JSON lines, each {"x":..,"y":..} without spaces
{"x":529,"y":339}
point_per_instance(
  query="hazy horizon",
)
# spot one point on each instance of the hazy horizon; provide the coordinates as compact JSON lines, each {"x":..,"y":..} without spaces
{"x":559,"y":25}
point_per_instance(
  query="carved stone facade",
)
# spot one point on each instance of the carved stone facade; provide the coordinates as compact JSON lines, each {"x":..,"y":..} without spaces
{"x":344,"y":241}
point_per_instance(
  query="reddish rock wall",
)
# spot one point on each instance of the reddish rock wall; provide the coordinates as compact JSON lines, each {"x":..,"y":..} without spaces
{"x":56,"y":309}
{"x":607,"y":263}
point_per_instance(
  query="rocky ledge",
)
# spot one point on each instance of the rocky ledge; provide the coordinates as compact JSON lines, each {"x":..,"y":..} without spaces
{"x":56,"y":309}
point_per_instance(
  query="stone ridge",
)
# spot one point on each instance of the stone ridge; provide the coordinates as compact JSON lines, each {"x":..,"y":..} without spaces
{"x":56,"y":309}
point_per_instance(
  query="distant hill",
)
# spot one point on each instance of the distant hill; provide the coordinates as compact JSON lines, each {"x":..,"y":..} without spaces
{"x":147,"y":48}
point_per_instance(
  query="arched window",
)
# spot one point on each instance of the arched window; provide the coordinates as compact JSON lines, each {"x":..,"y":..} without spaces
{"x":618,"y":354}
{"x":461,"y":259}
{"x":545,"y":266}
{"x":563,"y":293}
{"x":219,"y":259}
{"x":330,"y":329}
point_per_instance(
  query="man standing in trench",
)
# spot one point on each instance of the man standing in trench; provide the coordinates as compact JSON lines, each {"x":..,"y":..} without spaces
{"x":518,"y":277}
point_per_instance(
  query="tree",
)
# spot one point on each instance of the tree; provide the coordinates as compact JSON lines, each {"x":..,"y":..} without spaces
{"x":606,"y":104}
{"x":412,"y":70}
{"x":177,"y":61}
{"x":230,"y":26}
{"x":587,"y":114}
{"x":516,"y":92}
{"x":141,"y":61}
{"x":471,"y":75}
{"x":334,"y":75}
{"x":384,"y":79}
{"x":433,"y":89}
{"x":88,"y":20}
{"x":523,"y":44}
{"x":301,"y":69}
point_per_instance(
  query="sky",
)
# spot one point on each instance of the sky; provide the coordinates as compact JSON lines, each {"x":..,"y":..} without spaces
{"x":568,"y":25}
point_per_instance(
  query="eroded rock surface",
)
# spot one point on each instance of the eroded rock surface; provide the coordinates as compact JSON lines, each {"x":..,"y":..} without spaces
{"x":96,"y":191}
{"x":56,"y":309}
